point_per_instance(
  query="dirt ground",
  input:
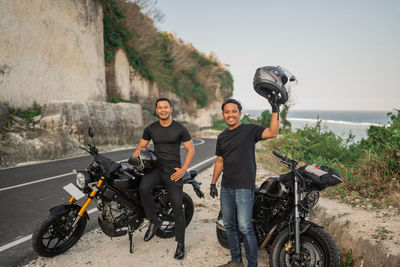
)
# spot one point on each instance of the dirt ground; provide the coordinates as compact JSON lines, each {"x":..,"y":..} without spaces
{"x":201,"y":245}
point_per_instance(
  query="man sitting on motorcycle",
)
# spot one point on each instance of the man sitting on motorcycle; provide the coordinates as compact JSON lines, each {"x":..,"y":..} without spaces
{"x":167,"y":136}
{"x":235,"y":152}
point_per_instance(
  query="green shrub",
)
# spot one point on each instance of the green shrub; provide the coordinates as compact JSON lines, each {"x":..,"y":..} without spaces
{"x":27,"y":114}
{"x":117,"y":100}
{"x":219,"y":125}
{"x":370,"y":167}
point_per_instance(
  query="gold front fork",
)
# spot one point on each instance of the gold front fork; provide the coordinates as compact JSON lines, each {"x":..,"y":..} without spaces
{"x":72,"y":200}
{"x":88,"y":200}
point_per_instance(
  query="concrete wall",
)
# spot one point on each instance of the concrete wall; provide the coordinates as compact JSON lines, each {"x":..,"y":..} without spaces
{"x":51,"y":50}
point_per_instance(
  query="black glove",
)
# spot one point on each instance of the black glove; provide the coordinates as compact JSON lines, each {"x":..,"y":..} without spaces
{"x":213,"y":191}
{"x":273,"y":101}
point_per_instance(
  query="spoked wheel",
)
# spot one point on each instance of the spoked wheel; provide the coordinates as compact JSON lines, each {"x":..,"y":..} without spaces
{"x":55,"y":235}
{"x":317,"y":249}
{"x":167,"y":228}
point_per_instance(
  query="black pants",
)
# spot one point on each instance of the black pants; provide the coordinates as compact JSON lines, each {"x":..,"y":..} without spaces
{"x":175,"y":191}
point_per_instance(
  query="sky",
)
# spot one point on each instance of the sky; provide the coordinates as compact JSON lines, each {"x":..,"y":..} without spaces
{"x":344,"y":53}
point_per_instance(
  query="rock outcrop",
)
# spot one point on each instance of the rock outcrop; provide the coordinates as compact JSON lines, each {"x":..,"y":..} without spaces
{"x":64,"y":126}
{"x":3,"y":115}
{"x":347,"y":226}
{"x":118,"y":77}
{"x":51,"y":50}
{"x":116,"y":124}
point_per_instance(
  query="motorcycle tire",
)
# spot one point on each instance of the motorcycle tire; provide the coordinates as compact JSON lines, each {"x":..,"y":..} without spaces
{"x":168,"y":230}
{"x":317,"y":249}
{"x":47,"y":239}
{"x":221,"y":235}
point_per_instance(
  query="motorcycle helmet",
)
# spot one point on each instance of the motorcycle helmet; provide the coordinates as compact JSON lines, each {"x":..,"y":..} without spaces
{"x":270,"y":81}
{"x":147,"y":160}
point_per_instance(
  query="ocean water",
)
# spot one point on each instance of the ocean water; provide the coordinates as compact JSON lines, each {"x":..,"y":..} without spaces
{"x":342,"y":123}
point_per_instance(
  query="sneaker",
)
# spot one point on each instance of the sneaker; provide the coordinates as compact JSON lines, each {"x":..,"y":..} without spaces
{"x":232,"y":264}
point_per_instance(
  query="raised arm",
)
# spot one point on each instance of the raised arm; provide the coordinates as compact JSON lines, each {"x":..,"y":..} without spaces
{"x":273,"y":129}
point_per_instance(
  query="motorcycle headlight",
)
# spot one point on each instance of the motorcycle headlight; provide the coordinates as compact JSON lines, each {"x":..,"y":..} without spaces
{"x":311,"y":199}
{"x":82,"y":179}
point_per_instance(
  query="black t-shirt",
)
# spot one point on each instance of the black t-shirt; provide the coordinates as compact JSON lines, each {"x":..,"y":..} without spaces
{"x":237,"y":148}
{"x":167,"y":142}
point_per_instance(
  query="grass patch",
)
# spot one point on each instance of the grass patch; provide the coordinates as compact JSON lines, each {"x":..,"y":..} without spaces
{"x":346,"y":258}
{"x":115,"y":100}
{"x":25,"y":114}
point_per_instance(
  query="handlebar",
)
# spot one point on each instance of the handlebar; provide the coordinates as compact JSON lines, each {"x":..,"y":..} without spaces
{"x":288,"y":161}
{"x":279,"y":155}
{"x":92,"y":149}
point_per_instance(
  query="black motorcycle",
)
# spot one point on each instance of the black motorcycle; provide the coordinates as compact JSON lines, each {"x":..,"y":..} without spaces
{"x":115,"y":188}
{"x":280,"y":217}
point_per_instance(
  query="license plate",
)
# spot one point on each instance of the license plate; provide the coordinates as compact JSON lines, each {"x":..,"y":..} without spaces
{"x":74,"y":191}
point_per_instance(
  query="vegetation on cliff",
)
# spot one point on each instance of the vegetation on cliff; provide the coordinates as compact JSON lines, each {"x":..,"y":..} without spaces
{"x":162,"y":57}
{"x":27,"y":115}
{"x":370,"y":169}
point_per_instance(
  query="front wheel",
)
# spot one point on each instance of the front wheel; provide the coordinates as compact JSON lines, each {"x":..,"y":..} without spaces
{"x":54,"y":235}
{"x":317,"y":249}
{"x":167,"y":229}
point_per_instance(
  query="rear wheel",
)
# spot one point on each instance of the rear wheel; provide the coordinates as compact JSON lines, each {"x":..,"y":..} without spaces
{"x":221,"y":234}
{"x":55,"y":235}
{"x":317,"y":249}
{"x":167,"y":228}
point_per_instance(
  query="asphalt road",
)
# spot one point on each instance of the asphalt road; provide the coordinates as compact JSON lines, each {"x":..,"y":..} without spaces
{"x":26,"y":195}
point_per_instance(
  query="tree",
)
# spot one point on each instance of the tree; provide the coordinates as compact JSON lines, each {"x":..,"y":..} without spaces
{"x":285,"y":109}
{"x":265,"y":118}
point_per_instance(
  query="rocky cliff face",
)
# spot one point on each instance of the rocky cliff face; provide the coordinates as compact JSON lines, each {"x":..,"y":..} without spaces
{"x":52,"y":53}
{"x":123,"y":82}
{"x":51,"y":50}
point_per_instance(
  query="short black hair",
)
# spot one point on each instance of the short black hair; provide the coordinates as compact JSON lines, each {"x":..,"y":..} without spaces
{"x":163,"y":99}
{"x":233,"y":101}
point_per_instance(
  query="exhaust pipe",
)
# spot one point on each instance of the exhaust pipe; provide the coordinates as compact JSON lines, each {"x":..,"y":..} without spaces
{"x":268,"y":236}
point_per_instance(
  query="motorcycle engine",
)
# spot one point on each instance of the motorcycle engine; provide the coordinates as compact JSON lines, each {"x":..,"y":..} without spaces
{"x":113,"y":217}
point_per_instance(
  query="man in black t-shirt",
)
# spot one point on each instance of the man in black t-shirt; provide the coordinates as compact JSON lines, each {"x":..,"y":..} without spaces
{"x":167,"y":136}
{"x":236,"y":158}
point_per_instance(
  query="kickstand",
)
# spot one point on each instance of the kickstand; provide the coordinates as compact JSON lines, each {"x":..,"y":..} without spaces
{"x":130,"y":242}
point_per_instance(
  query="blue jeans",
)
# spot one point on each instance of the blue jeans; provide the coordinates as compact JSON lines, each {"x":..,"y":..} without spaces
{"x":237,"y":213}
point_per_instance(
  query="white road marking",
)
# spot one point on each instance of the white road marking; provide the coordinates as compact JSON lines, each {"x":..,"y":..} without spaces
{"x":15,"y":243}
{"x":201,"y":163}
{"x":26,"y":238}
{"x":66,"y":174}
{"x":37,"y":181}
